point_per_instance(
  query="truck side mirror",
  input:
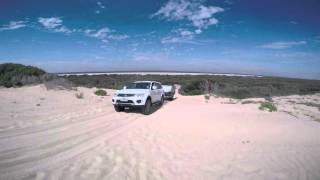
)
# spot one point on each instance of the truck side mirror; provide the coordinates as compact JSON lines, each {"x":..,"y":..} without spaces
{"x":124,"y":87}
{"x":154,"y":87}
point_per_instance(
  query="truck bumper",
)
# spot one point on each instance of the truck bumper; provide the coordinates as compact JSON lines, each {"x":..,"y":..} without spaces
{"x":127,"y":102}
{"x":168,"y":95}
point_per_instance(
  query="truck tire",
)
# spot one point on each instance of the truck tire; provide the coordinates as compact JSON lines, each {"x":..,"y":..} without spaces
{"x":118,"y":108}
{"x":146,"y":109}
{"x":161,"y":101}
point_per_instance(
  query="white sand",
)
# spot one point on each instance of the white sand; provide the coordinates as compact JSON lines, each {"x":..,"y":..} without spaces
{"x":69,"y":138}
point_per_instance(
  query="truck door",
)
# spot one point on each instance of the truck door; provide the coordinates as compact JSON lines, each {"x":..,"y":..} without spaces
{"x":154,"y":93}
{"x":159,"y":92}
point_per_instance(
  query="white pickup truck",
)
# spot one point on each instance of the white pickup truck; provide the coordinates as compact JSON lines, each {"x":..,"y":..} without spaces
{"x":169,"y":91}
{"x":142,"y":94}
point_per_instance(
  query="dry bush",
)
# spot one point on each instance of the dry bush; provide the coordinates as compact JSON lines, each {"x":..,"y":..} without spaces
{"x":79,"y":95}
{"x":207,"y":97}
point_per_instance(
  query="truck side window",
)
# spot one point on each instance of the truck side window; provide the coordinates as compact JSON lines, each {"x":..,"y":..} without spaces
{"x":158,"y":86}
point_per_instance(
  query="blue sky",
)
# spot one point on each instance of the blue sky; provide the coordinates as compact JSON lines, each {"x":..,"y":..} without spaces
{"x":270,"y":37}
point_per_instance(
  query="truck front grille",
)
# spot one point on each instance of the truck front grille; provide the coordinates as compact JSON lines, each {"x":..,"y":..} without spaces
{"x":125,"y":95}
{"x":125,"y":102}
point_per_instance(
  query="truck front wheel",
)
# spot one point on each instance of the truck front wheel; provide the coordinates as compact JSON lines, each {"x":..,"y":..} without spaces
{"x":118,"y":108}
{"x":146,"y":109}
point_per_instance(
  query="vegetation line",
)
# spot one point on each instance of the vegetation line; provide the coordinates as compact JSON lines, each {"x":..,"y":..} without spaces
{"x":227,"y":86}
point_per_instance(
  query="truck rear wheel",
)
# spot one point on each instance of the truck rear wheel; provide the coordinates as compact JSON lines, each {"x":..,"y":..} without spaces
{"x":118,"y":108}
{"x":146,"y":109}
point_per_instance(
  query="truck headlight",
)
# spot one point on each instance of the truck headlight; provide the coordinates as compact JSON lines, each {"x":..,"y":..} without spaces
{"x":139,"y":95}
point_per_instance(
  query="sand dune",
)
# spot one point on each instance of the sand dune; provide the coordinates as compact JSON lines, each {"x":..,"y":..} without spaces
{"x":54,"y":135}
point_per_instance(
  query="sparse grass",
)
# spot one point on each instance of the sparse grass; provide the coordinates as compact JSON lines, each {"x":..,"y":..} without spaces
{"x":251,"y":102}
{"x":291,"y":101}
{"x":248,"y":102}
{"x":231,"y":101}
{"x":311,"y":104}
{"x":268,"y":106}
{"x":100,"y":92}
{"x":79,"y":95}
{"x":290,"y":113}
{"x":313,"y":117}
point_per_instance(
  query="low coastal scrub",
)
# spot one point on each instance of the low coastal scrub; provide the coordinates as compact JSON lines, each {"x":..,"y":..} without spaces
{"x":268,"y":106}
{"x":223,"y":86}
{"x":59,"y":84}
{"x":100,"y":92}
{"x":311,"y":104}
{"x":16,"y":75}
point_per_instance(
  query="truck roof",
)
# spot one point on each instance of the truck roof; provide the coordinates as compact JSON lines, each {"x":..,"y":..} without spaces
{"x":146,"y":82}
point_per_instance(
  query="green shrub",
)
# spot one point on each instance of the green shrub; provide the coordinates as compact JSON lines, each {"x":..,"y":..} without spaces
{"x":100,"y":92}
{"x":18,"y":75}
{"x":239,"y":93}
{"x":268,"y":106}
{"x":192,"y":88}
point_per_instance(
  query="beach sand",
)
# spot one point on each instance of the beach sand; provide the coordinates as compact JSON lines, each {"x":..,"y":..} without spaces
{"x":51,"y":134}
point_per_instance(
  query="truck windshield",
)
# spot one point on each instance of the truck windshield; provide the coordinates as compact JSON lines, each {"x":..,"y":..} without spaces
{"x":138,"y":85}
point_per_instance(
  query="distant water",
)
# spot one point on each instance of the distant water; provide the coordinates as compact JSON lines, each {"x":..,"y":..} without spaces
{"x":156,"y":73}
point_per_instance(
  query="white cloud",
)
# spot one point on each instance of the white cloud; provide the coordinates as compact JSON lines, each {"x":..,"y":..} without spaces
{"x":177,"y":39}
{"x":13,"y":25}
{"x":150,"y":57}
{"x":198,"y":31}
{"x":294,"y":22}
{"x":99,"y":34}
{"x":282,"y":44}
{"x":62,"y":29}
{"x":54,"y":24}
{"x":199,"y":15}
{"x":100,"y":6}
{"x":294,"y":55}
{"x":317,"y":39}
{"x":179,"y":36}
{"x":105,"y":34}
{"x":50,"y":23}
{"x":118,"y":37}
{"x":186,"y":33}
{"x":229,"y":2}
